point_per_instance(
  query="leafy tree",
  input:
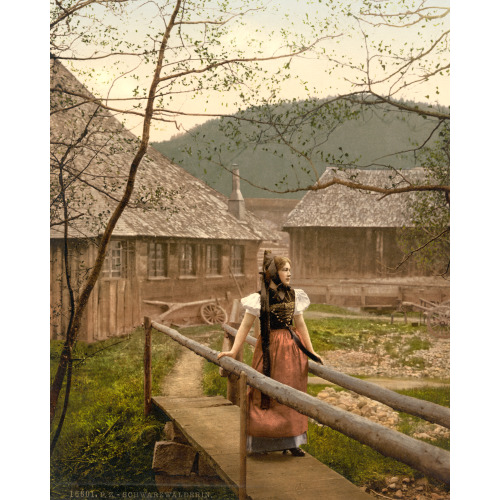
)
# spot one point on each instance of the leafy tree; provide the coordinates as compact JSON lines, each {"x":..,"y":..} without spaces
{"x":153,"y":52}
{"x":404,"y":48}
{"x":428,"y":238}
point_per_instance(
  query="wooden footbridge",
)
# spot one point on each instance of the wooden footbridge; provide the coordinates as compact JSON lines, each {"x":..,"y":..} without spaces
{"x":211,"y":425}
{"x":208,"y":434}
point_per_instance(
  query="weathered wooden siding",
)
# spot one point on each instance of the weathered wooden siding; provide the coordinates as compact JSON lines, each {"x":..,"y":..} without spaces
{"x":176,"y":288}
{"x":345,"y":252}
{"x":116,"y":305}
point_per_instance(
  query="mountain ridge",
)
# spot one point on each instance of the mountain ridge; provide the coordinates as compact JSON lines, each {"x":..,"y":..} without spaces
{"x":369,"y":137}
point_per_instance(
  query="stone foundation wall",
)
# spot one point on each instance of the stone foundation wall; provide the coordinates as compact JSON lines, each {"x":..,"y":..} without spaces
{"x":176,"y":464}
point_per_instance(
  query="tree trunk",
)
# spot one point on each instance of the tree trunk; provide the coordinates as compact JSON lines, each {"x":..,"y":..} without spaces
{"x":73,"y":331}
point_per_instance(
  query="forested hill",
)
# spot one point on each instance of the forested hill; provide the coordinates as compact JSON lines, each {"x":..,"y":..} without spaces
{"x":372,"y":135}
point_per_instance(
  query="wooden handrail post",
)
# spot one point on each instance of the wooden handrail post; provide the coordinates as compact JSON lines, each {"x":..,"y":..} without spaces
{"x":147,"y":365}
{"x":232,"y":379}
{"x":242,"y":492}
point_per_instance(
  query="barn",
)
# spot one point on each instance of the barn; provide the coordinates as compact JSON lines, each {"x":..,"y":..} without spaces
{"x":344,"y":244}
{"x":178,"y":242}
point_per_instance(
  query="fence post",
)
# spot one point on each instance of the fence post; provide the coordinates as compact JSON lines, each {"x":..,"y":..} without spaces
{"x":147,"y":365}
{"x":232,"y":379}
{"x":242,"y":492}
{"x":363,"y":296}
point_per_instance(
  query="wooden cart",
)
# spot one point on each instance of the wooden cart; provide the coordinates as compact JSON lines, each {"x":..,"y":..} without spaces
{"x":210,"y":309}
{"x":436,"y":315}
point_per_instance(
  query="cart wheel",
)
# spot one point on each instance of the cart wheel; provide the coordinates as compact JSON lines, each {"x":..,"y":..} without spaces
{"x":438,"y":322}
{"x":213,"y":314}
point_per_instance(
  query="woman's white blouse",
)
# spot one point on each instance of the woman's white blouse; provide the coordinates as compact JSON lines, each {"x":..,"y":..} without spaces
{"x":251,"y":303}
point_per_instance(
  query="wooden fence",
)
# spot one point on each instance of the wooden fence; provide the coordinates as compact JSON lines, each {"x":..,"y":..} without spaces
{"x":423,"y":409}
{"x":429,"y":459}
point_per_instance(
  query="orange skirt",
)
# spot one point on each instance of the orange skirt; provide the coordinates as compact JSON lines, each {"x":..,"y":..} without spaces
{"x":288,"y":366}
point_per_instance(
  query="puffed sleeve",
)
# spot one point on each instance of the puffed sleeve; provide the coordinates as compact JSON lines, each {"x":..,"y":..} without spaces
{"x":301,"y":301}
{"x":251,"y":304}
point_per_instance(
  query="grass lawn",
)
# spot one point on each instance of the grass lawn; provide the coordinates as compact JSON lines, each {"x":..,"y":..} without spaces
{"x":106,"y":444}
{"x":361,"y":464}
{"x":346,"y":333}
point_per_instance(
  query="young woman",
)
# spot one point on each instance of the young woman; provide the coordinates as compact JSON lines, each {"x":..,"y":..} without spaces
{"x":281,"y":353}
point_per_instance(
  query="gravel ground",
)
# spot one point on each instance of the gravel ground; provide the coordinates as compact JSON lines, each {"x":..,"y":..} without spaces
{"x":403,"y":369}
{"x":375,"y":361}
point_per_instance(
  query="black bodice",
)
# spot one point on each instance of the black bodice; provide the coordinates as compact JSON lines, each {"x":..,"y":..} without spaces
{"x":281,"y":307}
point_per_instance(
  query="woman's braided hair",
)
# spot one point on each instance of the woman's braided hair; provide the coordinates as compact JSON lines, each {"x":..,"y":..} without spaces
{"x":270,"y":267}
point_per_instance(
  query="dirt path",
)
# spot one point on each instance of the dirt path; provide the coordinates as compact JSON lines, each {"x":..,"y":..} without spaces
{"x":394,"y":384}
{"x":185,"y":378}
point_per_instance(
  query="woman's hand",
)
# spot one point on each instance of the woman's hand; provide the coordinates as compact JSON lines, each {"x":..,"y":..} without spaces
{"x":230,"y":354}
{"x":241,"y":335}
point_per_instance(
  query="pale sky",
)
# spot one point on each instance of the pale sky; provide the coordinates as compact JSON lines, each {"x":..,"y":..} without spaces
{"x":319,"y":82}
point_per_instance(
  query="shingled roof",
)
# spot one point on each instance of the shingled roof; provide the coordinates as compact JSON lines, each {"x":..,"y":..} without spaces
{"x":340,"y":206}
{"x":101,"y":161}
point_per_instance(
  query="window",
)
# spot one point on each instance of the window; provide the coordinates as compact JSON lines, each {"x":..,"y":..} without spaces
{"x":237,"y":259}
{"x":115,"y":262}
{"x":213,"y":259}
{"x":157,"y":260}
{"x":187,"y":260}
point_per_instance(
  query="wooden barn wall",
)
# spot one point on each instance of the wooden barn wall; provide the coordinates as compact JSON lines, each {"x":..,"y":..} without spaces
{"x":176,"y":288}
{"x":346,"y":253}
{"x":116,"y":305}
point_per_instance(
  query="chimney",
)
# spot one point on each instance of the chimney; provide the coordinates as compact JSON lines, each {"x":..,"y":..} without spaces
{"x":236,"y":203}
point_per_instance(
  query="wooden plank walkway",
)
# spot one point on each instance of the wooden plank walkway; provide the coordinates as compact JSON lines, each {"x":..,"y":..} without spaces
{"x":212,"y":426}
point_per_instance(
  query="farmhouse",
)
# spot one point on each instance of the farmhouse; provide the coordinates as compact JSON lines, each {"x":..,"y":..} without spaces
{"x":178,"y":241}
{"x":345,"y":241}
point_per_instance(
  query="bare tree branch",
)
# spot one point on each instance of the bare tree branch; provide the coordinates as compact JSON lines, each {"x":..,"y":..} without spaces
{"x":101,"y":252}
{"x":78,"y":6}
{"x":420,"y":248}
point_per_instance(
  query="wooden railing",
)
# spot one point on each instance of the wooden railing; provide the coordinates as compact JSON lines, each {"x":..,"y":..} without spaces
{"x":429,"y":459}
{"x":423,"y":409}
